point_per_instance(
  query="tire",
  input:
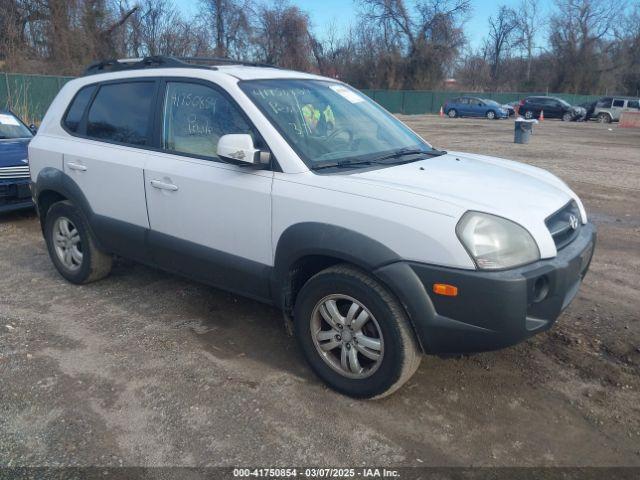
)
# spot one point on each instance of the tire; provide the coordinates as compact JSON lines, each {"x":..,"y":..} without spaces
{"x":491,"y":115}
{"x":567,"y":117}
{"x":604,"y":118}
{"x":75,"y":256}
{"x":452,"y":113}
{"x":528,"y":114}
{"x":383,"y":325}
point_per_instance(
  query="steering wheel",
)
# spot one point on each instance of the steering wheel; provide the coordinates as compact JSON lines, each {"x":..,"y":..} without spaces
{"x":338,"y":131}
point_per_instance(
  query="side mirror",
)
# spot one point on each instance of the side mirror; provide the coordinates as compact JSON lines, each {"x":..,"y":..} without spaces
{"x":238,"y":148}
{"x":33,"y":128}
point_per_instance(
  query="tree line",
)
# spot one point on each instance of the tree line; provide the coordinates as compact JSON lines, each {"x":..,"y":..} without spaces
{"x":576,"y":46}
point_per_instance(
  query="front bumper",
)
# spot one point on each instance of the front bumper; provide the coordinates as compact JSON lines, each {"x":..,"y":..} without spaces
{"x":492,"y":309}
{"x":15,"y":195}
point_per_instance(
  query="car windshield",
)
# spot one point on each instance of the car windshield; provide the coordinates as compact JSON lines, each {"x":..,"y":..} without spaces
{"x":490,"y":102}
{"x":12,"y":127}
{"x":330,"y":123}
{"x":563,"y":103}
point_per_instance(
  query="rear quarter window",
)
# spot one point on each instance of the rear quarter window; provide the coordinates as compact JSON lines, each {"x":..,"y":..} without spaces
{"x":77,"y":108}
{"x":121,"y":112}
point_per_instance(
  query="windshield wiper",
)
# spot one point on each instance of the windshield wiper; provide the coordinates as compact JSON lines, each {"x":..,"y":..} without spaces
{"x":343,"y":164}
{"x":381,"y":159}
{"x":408,"y":151}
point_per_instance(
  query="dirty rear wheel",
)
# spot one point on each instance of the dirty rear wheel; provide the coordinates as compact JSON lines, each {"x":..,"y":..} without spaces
{"x":71,"y":245}
{"x":354,"y":334}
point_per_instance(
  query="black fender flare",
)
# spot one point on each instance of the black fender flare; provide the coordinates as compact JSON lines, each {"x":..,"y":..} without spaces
{"x":52,"y":179}
{"x":321,"y":239}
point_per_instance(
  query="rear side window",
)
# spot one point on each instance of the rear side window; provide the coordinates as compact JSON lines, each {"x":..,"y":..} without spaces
{"x":618,"y":103}
{"x":78,"y":106}
{"x":121,"y":113}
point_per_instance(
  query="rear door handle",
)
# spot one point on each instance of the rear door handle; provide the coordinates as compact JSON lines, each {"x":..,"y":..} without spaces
{"x":76,"y":166}
{"x":164,"y":186}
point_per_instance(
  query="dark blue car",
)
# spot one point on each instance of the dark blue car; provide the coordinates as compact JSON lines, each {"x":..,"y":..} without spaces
{"x":474,"y":107}
{"x":14,"y":164}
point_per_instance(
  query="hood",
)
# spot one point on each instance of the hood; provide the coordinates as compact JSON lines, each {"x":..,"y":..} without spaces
{"x":519,"y":192}
{"x":13,"y":152}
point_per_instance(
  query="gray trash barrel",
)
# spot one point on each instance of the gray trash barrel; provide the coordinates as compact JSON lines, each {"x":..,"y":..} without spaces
{"x":523,"y":130}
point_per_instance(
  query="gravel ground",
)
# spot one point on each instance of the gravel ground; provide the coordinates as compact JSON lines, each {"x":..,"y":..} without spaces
{"x":148,"y":369}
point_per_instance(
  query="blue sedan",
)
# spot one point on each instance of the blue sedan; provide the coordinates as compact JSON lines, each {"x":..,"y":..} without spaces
{"x":14,"y":164}
{"x":474,"y":107}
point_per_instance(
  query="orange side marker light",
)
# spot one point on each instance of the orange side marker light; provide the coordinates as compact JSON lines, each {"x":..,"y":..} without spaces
{"x":445,"y":289}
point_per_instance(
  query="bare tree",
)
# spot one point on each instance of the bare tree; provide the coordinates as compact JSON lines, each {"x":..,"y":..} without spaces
{"x":529,"y":23}
{"x":228,"y":22}
{"x":500,"y":39}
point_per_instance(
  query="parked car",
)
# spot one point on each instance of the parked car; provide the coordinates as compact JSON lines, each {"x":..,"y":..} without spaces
{"x":14,"y":165}
{"x":298,"y":191}
{"x":589,"y":108}
{"x":474,"y":107}
{"x":609,"y":109}
{"x":553,"y":107}
{"x":510,"y":108}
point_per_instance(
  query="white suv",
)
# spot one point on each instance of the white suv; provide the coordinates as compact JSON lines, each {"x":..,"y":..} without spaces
{"x":298,"y":191}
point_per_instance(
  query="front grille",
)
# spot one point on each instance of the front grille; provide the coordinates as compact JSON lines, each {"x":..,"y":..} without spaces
{"x":565,"y":224}
{"x":14,"y":172}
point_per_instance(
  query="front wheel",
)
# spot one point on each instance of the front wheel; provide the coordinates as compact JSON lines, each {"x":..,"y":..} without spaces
{"x":604,"y":118}
{"x":567,"y":117}
{"x":71,"y":245}
{"x":491,"y":115}
{"x":354,"y":334}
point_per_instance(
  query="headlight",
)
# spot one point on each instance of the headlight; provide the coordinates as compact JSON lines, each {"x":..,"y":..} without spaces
{"x":495,"y":242}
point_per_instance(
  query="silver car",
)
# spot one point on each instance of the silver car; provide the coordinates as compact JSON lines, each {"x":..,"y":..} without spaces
{"x":609,"y":109}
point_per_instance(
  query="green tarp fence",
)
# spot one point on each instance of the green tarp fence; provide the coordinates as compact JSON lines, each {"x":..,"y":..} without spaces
{"x":30,"y":96}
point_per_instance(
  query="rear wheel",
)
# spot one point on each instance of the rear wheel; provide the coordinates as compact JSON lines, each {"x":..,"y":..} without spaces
{"x":452,"y":113}
{"x":71,"y":245}
{"x":354,"y":334}
{"x":604,"y":118}
{"x":528,"y":114}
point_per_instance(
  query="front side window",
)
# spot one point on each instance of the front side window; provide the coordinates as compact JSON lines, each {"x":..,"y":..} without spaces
{"x":121,"y":112}
{"x":618,"y":103}
{"x":78,"y":106}
{"x":604,"y":103}
{"x":12,"y":127}
{"x":326,"y":121}
{"x":196,"y":116}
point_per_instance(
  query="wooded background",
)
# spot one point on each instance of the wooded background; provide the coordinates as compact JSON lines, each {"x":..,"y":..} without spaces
{"x":577,"y":47}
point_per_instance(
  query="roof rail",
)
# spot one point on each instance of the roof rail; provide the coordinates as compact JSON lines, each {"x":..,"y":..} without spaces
{"x":161,"y":61}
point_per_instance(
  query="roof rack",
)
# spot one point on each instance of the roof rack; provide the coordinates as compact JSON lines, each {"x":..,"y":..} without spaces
{"x":161,"y":61}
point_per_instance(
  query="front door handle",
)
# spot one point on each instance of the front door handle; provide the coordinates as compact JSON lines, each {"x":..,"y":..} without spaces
{"x":164,"y":186}
{"x":76,"y":166}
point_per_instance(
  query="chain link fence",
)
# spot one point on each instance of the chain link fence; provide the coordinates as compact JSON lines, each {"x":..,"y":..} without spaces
{"x":30,"y":95}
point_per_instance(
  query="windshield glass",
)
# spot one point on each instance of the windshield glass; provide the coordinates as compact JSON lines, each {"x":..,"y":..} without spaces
{"x":329,"y":122}
{"x":11,"y":127}
{"x":563,"y":103}
{"x":490,"y":102}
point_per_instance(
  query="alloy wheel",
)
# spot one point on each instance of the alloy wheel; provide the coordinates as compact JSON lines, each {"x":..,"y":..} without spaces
{"x":67,"y":243}
{"x":347,"y":336}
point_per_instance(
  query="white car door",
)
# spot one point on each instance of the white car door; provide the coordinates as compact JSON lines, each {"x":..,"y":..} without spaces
{"x":107,"y":160}
{"x":209,"y":219}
